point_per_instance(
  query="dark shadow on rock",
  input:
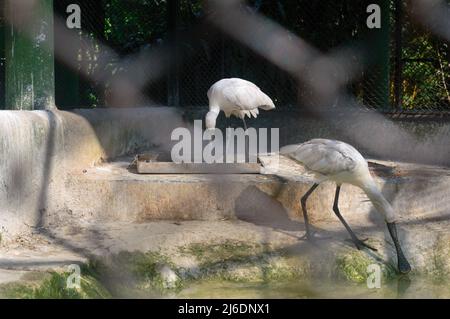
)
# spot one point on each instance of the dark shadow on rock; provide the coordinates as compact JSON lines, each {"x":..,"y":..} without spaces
{"x":256,"y":207}
{"x":47,"y":170}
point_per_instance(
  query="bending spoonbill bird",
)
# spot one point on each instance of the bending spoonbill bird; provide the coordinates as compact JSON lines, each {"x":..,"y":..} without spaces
{"x":236,"y":97}
{"x":331,"y":160}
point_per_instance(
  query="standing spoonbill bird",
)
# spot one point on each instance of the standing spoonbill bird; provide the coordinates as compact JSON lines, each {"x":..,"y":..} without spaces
{"x":236,"y":97}
{"x":331,"y":160}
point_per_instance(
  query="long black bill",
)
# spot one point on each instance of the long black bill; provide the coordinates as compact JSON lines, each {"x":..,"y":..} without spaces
{"x":403,"y":265}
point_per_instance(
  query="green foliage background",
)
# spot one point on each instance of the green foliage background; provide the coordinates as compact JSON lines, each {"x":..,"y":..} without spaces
{"x":133,"y":26}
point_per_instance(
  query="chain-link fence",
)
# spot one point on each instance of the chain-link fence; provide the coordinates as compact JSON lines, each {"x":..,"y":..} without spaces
{"x":409,"y":68}
{"x":2,"y":57}
{"x":424,"y":75}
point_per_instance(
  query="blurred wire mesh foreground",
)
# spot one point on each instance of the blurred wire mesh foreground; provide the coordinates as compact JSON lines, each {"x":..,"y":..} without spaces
{"x":414,"y":76}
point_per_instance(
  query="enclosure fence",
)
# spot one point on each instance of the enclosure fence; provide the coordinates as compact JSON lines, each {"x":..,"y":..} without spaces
{"x":406,"y":68}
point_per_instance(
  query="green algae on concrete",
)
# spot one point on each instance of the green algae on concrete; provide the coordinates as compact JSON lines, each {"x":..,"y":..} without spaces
{"x":256,"y":268}
{"x":54,"y":286}
{"x":149,"y":270}
{"x":162,"y":273}
{"x":240,"y":261}
{"x":223,"y":251}
{"x":352,"y":265}
{"x":440,"y":261}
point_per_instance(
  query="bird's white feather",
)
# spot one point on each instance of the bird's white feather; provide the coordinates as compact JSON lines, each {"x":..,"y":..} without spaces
{"x":342,"y":163}
{"x":323,"y":156}
{"x":238,"y":97}
{"x":330,"y":158}
{"x":245,"y":97}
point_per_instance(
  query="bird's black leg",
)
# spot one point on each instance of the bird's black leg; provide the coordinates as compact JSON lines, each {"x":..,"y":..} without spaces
{"x":308,"y":234}
{"x":245,"y":124}
{"x":358,"y":243}
{"x":403,"y":265}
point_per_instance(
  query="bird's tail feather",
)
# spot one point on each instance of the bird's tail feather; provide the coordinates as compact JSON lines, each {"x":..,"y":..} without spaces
{"x":254,"y":112}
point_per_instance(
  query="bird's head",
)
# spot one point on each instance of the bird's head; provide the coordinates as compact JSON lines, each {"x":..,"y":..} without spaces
{"x":210,"y":119}
{"x":268,"y":107}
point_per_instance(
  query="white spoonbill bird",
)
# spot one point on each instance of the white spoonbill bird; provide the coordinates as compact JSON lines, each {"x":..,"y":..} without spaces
{"x":331,"y":160}
{"x":236,"y":97}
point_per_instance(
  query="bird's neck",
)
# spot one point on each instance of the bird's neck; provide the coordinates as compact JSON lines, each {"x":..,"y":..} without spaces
{"x":210,"y":119}
{"x":214,"y":108}
{"x":379,"y":201}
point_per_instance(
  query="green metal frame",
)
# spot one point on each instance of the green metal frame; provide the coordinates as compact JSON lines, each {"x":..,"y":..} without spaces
{"x":67,"y":81}
{"x":2,"y":61}
{"x":29,"y":72}
{"x":378,"y":56}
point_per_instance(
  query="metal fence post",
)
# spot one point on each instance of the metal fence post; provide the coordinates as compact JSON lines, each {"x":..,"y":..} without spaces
{"x":96,"y":27}
{"x":398,"y":54}
{"x":383,"y":44}
{"x":2,"y":56}
{"x":29,"y":72}
{"x":173,"y":94}
{"x":222,"y":56}
{"x":67,"y":81}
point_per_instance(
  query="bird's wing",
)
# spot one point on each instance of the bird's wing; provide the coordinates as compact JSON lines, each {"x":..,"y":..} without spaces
{"x":246,"y":97}
{"x":239,"y":81}
{"x":326,"y":157}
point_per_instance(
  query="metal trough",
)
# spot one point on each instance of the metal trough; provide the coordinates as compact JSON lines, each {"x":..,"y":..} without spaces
{"x":147,"y":164}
